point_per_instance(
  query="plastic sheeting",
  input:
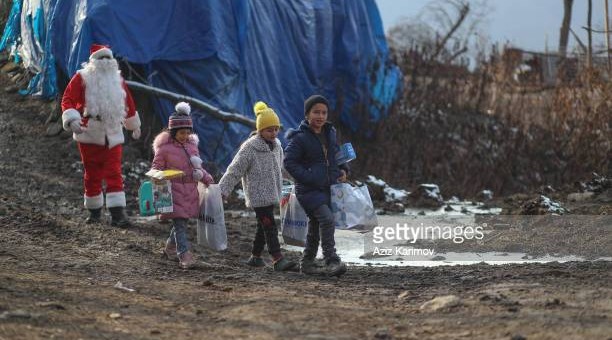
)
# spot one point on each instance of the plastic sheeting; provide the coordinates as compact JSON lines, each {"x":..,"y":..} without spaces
{"x":26,"y":32}
{"x":233,"y":53}
{"x":12,"y":30}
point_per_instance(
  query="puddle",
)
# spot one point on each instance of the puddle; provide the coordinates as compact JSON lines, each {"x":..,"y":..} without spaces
{"x":350,"y":244}
{"x":350,"y":247}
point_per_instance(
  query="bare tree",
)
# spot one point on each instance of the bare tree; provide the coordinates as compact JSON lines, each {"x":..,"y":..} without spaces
{"x":443,"y":30}
{"x":410,"y":33}
{"x":565,"y":27}
{"x":462,"y":8}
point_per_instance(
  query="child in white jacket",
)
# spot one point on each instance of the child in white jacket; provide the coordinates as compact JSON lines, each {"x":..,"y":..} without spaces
{"x":259,"y":163}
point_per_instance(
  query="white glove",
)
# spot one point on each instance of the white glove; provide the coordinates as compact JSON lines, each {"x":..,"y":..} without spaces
{"x":76,"y":127}
{"x":198,"y":174}
{"x":136,"y":133}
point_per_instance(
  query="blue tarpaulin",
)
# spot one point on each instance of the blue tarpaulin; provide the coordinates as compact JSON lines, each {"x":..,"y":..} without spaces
{"x":12,"y":30}
{"x":25,"y":34}
{"x":233,"y":53}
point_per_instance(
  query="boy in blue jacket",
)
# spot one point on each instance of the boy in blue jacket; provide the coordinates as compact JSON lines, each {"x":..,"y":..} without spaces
{"x":310,"y":158}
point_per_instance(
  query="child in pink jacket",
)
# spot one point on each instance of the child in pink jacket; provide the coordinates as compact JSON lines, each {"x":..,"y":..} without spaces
{"x":177,"y":148}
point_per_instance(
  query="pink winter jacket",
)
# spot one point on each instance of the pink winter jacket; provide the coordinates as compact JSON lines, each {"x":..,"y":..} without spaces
{"x":170,"y":154}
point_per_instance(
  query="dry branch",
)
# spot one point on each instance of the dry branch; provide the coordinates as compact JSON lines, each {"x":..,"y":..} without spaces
{"x":209,"y":109}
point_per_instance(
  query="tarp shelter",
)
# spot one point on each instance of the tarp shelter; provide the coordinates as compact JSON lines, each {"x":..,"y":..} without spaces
{"x":228,"y":53}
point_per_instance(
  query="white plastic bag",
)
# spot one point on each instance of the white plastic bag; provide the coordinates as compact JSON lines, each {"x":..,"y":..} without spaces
{"x":294,"y":221}
{"x":211,"y":220}
{"x":352,"y":206}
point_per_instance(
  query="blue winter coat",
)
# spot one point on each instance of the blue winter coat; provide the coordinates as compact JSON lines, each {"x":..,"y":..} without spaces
{"x":305,"y":161}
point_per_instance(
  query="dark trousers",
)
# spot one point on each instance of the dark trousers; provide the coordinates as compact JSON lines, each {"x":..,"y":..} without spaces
{"x":267,"y":232}
{"x":321,"y":228}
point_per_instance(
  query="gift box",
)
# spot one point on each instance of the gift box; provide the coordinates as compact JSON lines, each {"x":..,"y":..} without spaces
{"x":345,"y":154}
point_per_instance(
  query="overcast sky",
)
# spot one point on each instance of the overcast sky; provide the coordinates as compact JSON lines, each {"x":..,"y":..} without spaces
{"x":524,"y":23}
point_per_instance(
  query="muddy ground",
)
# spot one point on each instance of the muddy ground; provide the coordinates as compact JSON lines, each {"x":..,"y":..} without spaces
{"x":58,"y":275}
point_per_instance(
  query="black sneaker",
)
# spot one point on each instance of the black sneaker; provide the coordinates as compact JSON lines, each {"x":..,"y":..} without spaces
{"x":255,"y":262}
{"x":335,"y":267}
{"x":283,"y":265}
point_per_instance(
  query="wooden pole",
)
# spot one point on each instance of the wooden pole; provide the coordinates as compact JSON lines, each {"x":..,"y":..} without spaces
{"x":590,"y":35}
{"x":607,"y":22}
{"x":565,"y":27}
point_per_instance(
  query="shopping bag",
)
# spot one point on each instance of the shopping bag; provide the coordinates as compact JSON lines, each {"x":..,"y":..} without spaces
{"x":352,"y":206}
{"x":145,"y":199}
{"x":211,"y":230}
{"x":294,"y":221}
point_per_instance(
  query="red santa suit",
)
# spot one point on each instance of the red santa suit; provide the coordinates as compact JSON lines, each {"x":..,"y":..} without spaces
{"x":98,"y":99}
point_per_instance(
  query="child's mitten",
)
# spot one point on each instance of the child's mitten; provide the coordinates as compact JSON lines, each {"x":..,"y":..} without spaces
{"x":196,"y":162}
{"x":198,"y":174}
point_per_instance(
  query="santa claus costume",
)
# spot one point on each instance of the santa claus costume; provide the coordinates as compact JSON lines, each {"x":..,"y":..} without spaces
{"x":96,"y":105}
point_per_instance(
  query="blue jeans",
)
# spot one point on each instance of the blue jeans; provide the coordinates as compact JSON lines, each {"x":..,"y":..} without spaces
{"x":321,"y":228}
{"x":178,"y":235}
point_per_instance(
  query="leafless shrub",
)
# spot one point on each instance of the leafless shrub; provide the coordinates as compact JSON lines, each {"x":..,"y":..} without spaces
{"x":498,"y":124}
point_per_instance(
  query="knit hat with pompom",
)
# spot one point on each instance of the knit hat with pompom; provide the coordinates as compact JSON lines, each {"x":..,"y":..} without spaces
{"x":266,"y":117}
{"x":181,"y":118}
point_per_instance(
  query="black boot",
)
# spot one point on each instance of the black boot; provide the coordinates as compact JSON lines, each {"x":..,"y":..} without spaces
{"x":94,"y":216}
{"x":118,"y":217}
{"x":309,"y":265}
{"x":335,"y":267}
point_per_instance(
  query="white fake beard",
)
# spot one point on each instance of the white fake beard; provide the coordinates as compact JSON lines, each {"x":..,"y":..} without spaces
{"x":104,"y":94}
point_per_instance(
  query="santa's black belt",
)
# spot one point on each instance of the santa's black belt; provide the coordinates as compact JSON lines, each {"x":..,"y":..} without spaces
{"x":94,"y":118}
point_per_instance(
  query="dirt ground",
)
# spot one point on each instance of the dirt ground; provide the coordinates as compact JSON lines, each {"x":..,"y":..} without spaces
{"x":58,"y":276}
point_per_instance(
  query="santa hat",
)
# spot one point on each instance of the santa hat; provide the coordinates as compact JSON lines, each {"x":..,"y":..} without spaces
{"x":181,"y":119}
{"x":98,"y":51}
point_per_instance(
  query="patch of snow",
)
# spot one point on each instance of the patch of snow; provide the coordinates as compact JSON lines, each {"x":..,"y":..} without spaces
{"x":392,"y":194}
{"x":487,"y":194}
{"x":551,"y":206}
{"x":432,"y":190}
{"x":375,"y":181}
{"x":454,"y":199}
{"x":240,"y":194}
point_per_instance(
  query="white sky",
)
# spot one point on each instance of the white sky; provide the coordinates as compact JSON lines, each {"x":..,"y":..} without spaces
{"x":527,"y":24}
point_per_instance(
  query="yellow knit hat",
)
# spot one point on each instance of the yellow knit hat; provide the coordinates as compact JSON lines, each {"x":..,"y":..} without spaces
{"x":266,"y":117}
